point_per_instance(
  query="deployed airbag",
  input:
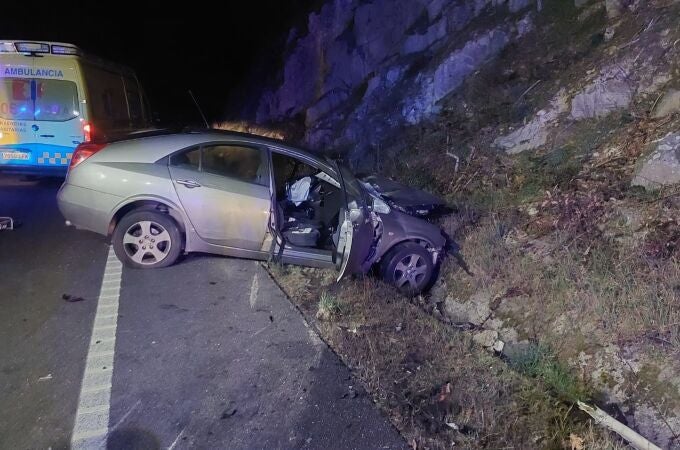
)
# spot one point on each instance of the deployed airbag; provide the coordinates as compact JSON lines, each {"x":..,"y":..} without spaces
{"x":298,"y":192}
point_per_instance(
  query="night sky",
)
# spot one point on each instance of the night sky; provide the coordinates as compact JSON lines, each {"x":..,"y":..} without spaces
{"x":207,"y":49}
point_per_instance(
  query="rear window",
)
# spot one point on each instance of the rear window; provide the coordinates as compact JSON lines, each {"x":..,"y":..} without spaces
{"x":38,"y":99}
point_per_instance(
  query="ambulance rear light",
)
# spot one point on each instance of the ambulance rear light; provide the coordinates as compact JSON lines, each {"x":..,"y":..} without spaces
{"x":87,"y":131}
{"x":32,"y":47}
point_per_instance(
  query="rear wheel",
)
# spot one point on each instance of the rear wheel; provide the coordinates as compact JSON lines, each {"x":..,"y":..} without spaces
{"x":408,"y":267}
{"x":147,"y":240}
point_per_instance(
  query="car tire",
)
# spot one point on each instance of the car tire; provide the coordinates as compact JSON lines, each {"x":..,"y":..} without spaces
{"x":409,"y":268}
{"x":147,"y":240}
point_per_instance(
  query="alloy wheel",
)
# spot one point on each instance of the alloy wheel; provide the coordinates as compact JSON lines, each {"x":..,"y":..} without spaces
{"x":411,"y":270}
{"x":147,"y":242}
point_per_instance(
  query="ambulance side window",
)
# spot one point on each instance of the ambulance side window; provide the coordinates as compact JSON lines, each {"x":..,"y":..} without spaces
{"x":107,"y":103}
{"x":107,"y":97}
{"x":135,"y":106}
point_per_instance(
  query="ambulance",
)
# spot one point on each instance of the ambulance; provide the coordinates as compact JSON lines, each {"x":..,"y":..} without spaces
{"x":53,"y":97}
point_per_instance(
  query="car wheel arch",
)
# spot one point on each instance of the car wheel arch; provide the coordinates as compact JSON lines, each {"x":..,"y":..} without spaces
{"x":148,"y":204}
{"x":395,"y":244}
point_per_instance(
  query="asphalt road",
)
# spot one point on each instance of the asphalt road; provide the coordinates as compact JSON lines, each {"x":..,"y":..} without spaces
{"x":208,"y":353}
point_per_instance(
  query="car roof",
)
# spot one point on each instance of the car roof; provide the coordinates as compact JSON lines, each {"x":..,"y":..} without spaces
{"x":173,"y":140}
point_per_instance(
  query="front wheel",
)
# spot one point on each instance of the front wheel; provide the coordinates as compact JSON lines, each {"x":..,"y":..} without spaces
{"x":408,"y":267}
{"x":147,"y":240}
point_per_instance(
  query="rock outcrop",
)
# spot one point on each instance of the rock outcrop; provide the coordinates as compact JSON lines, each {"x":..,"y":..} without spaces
{"x":669,"y":104}
{"x":451,"y":73}
{"x":662,"y":166}
{"x":535,"y":133}
{"x":357,"y":54}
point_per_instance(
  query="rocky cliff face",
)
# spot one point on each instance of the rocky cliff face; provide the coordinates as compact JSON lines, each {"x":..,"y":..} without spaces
{"x":366,"y":68}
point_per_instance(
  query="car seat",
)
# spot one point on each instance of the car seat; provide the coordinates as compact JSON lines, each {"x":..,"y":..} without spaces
{"x":298,"y":231}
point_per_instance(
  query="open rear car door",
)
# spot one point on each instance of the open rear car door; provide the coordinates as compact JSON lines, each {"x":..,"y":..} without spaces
{"x":356,"y":231}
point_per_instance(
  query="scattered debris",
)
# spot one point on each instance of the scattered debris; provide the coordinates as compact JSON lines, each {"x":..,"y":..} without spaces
{"x":6,"y":223}
{"x":632,"y":437}
{"x":229,"y":412}
{"x":444,"y":393}
{"x":452,"y":425}
{"x":576,"y":442}
{"x":71,"y":298}
{"x":172,"y":307}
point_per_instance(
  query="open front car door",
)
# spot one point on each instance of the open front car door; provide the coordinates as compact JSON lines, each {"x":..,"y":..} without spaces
{"x":355,"y":238}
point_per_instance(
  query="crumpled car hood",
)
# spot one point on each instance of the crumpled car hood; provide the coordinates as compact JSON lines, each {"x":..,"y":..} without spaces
{"x":406,"y":199}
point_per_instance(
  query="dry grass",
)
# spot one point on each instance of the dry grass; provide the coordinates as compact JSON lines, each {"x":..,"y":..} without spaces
{"x":607,"y":287}
{"x":329,"y":307}
{"x":594,"y":439}
{"x":425,"y":374}
{"x":631,"y":298}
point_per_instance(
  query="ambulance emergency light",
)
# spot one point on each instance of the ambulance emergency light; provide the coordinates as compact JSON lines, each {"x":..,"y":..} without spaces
{"x":32,"y":47}
{"x":65,"y":50}
{"x":38,"y":47}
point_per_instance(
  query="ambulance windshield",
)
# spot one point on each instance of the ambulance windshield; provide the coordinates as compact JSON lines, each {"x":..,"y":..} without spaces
{"x":38,"y":99}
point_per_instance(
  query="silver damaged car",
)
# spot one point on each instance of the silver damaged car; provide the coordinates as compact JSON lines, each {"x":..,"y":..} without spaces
{"x":162,"y":194}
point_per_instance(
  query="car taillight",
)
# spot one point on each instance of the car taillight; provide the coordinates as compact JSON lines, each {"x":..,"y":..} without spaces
{"x":84,"y":151}
{"x":87,"y":132}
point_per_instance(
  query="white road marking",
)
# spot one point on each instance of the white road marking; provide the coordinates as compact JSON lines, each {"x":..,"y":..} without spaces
{"x":260,"y":330}
{"x":254,"y":288}
{"x":100,"y":388}
{"x":91,"y":426}
{"x":177,"y":439}
{"x":125,"y":416}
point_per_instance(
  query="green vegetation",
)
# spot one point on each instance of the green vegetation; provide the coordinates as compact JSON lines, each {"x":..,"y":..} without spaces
{"x":538,"y":361}
{"x":329,"y":306}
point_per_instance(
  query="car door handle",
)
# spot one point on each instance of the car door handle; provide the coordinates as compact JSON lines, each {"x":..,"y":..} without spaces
{"x":188,"y":183}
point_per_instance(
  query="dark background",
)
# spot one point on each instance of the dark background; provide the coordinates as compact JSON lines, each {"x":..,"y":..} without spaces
{"x":214,"y":49}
